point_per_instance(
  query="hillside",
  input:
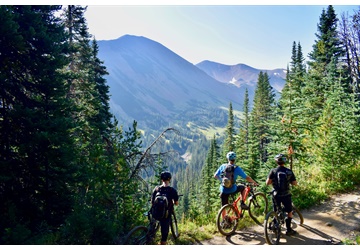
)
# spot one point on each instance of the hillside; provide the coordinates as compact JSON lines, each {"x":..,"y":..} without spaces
{"x":158,"y":88}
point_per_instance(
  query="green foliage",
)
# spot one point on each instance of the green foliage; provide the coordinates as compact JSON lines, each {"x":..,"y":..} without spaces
{"x":71,"y":175}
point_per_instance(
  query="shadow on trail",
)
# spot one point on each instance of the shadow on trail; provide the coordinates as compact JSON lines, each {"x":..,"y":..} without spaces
{"x":246,"y":238}
{"x":303,"y":237}
{"x":326,"y":239}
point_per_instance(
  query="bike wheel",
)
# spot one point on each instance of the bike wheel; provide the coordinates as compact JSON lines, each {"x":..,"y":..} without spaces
{"x":258,"y":208}
{"x":227,"y":219}
{"x":272,"y":228}
{"x":174,"y":226}
{"x":297,"y":217}
{"x":137,"y":236}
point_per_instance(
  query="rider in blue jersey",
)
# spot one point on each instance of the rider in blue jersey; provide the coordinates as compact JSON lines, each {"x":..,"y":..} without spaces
{"x":227,"y":189}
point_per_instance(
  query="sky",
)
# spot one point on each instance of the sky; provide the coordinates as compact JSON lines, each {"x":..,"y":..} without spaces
{"x":260,"y":36}
{"x":257,"y":33}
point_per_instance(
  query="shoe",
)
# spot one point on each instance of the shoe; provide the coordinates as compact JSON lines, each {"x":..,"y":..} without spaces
{"x":290,"y":232}
{"x":244,"y":206}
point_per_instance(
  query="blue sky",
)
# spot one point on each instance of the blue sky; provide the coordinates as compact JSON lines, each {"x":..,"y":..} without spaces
{"x":260,"y":36}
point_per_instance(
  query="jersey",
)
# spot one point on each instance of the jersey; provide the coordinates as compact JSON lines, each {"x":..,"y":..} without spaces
{"x":237,"y":172}
{"x":281,"y":178}
{"x":162,"y":201}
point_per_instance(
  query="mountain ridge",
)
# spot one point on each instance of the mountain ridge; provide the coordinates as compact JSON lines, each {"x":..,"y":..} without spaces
{"x":156,"y":87}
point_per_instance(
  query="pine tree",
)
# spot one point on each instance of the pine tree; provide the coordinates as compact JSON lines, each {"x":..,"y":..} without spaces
{"x":259,"y":129}
{"x":288,"y":127}
{"x":37,"y":152}
{"x":209,"y":194}
{"x":338,"y":135}
{"x":229,"y":142}
{"x":242,"y":139}
{"x":327,"y":48}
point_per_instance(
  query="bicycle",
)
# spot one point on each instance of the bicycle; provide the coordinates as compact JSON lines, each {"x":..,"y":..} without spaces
{"x":229,"y":215}
{"x":275,"y":221}
{"x":145,"y":235}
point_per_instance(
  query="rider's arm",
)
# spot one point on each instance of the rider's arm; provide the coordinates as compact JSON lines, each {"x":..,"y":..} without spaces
{"x":268,"y":181}
{"x":249,"y":179}
{"x":269,"y":178}
{"x":217,"y":175}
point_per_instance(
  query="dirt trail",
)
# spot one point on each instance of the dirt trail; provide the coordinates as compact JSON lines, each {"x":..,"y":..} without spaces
{"x":330,"y":223}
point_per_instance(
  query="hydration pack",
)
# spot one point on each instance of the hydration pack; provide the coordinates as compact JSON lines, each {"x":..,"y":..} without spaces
{"x":282,"y":181}
{"x":160,"y":207}
{"x":228,"y":176}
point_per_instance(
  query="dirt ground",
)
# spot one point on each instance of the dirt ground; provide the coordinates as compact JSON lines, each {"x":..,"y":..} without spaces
{"x":331,"y":223}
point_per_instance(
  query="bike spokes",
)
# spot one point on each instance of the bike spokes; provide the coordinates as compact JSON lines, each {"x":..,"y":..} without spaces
{"x":258,"y":208}
{"x":272,"y":229}
{"x":227,"y":219}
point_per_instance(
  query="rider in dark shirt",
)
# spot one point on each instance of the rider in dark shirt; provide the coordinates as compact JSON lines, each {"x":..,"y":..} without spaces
{"x":173,"y":198}
{"x":283,"y":194}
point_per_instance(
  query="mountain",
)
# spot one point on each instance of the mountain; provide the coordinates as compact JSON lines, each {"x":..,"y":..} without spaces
{"x":156,"y":87}
{"x":242,"y":75}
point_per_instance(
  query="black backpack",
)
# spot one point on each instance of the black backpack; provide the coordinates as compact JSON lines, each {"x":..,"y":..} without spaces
{"x":228,"y":173}
{"x":160,"y":207}
{"x":282,"y":181}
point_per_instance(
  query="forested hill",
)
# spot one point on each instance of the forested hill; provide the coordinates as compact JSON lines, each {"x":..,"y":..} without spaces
{"x":74,"y":174}
{"x":158,"y":88}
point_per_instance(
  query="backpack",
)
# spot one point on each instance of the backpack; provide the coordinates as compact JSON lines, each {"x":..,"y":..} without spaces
{"x":282,"y":183}
{"x":228,"y":176}
{"x":160,"y":207}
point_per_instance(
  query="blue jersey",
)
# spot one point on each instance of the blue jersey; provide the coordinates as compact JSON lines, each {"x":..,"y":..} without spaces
{"x":238,"y":172}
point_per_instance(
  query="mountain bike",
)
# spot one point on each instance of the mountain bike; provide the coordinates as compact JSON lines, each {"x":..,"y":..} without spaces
{"x":145,"y":235}
{"x":229,"y":215}
{"x":275,"y":221}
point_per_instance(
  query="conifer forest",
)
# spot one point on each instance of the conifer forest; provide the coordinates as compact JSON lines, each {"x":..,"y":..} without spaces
{"x":71,"y":174}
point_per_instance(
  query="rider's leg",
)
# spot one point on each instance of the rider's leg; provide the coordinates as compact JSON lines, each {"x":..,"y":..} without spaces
{"x":241,"y":188}
{"x":288,"y":208}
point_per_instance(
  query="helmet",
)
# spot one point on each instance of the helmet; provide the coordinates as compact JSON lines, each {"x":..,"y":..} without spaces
{"x":280,"y":158}
{"x":231,"y":156}
{"x":165,"y":176}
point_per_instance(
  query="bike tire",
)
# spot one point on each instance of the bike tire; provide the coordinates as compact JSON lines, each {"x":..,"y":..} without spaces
{"x":227,"y":219}
{"x":297,"y":217}
{"x":258,"y":208}
{"x":174,"y":226}
{"x":272,"y":228}
{"x":137,"y":236}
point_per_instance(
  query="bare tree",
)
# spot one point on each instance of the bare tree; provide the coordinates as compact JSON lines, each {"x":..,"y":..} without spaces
{"x":349,"y":31}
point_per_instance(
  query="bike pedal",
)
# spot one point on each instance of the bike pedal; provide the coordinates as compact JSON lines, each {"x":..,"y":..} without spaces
{"x":241,"y":216}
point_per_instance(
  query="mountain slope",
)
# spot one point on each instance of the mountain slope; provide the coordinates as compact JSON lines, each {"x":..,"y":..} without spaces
{"x":148,"y":81}
{"x":242,"y":75}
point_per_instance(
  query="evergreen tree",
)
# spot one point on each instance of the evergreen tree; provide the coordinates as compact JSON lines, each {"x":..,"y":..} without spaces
{"x":327,"y":48}
{"x":338,"y":135}
{"x":229,"y":142}
{"x":37,"y":152}
{"x":242,"y":139}
{"x":259,"y":128}
{"x":209,"y":194}
{"x":288,"y":127}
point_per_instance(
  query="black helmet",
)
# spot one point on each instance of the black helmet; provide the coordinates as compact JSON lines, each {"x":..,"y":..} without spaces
{"x":165,"y":176}
{"x":280,"y":158}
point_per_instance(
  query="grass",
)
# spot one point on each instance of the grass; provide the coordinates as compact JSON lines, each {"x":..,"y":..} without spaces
{"x":192,"y":234}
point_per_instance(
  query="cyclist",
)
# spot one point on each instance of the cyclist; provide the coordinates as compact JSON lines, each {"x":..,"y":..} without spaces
{"x":231,"y":188}
{"x":173,"y":198}
{"x":281,"y":177}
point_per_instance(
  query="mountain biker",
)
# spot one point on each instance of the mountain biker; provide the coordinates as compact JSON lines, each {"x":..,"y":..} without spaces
{"x":233,"y":188}
{"x":173,"y":198}
{"x":283,"y":195}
